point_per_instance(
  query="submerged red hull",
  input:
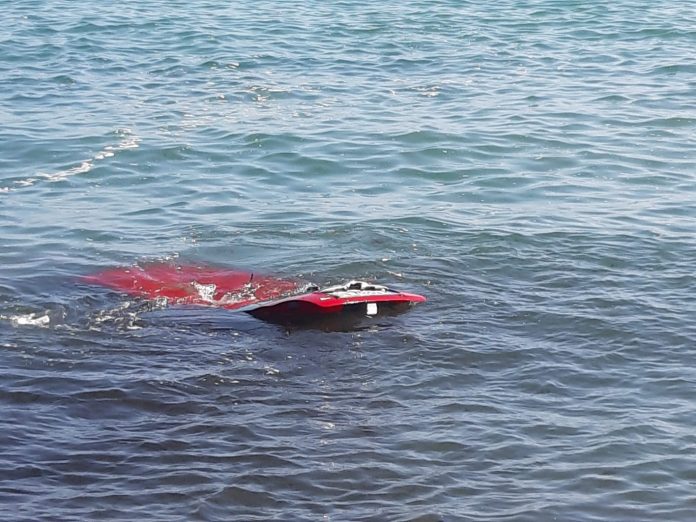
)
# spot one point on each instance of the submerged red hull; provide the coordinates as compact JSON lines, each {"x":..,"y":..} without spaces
{"x":197,"y":285}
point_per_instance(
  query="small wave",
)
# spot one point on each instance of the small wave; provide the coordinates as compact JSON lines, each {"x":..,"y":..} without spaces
{"x":127,"y":315}
{"x":129,"y":140}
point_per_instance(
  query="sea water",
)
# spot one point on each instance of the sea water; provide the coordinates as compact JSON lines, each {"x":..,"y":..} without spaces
{"x":529,"y":166}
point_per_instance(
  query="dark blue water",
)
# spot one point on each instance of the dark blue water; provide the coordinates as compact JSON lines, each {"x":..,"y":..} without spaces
{"x":529,"y":166}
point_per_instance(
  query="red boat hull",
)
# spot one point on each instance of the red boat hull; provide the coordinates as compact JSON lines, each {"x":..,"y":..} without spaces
{"x":265,"y":297}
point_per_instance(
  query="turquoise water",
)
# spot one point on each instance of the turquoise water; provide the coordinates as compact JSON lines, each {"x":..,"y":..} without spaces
{"x":529,"y":166}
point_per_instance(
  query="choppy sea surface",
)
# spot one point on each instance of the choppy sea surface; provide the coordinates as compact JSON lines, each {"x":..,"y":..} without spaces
{"x":529,"y":166}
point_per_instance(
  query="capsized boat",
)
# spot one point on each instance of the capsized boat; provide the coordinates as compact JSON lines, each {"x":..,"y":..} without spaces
{"x":267,"y":297}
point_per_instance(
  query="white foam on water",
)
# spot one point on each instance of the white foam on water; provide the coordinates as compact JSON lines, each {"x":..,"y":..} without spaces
{"x":32,"y":319}
{"x":129,"y":140}
{"x":205,"y":292}
{"x":126,"y":315}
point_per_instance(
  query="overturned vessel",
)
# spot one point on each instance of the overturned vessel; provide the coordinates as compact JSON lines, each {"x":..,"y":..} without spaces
{"x":270,"y":298}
